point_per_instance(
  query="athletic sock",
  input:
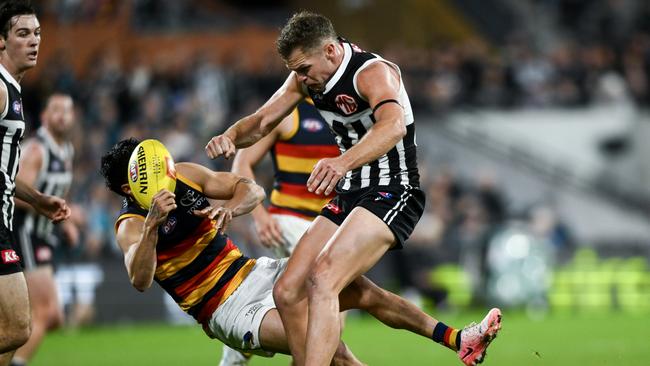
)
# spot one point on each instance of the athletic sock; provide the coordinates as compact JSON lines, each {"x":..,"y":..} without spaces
{"x":447,"y":336}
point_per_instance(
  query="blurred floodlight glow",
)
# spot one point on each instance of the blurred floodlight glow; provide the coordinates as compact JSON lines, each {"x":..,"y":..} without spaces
{"x":518,"y":246}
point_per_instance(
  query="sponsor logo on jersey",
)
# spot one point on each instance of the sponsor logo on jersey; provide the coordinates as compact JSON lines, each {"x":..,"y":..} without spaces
{"x":189,"y":198}
{"x":9,"y":256}
{"x":346,"y":103}
{"x":17,"y":107}
{"x":312,"y":125}
{"x":169,"y":225}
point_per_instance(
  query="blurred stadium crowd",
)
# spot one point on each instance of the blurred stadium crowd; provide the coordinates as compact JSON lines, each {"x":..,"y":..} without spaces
{"x":601,"y":54}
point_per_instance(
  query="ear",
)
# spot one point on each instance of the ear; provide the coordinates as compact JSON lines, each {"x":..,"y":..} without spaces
{"x":3,"y":43}
{"x":126,"y":188}
{"x":330,"y":50}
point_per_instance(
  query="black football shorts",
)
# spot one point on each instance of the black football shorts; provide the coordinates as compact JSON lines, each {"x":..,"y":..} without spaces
{"x":399,"y":207}
{"x":9,"y":259}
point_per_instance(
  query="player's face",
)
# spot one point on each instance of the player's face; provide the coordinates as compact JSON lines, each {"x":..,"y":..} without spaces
{"x":23,"y":40}
{"x":314,"y":68}
{"x":58,"y":116}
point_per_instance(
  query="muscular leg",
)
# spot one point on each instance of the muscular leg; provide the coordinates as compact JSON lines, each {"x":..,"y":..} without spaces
{"x":347,"y":255}
{"x":46,"y":311}
{"x":14,"y":315}
{"x":385,"y":306}
{"x":273,"y":338}
{"x":290,"y":294}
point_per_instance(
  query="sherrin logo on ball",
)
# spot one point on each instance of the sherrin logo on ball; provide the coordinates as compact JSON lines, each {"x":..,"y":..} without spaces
{"x":151,"y":168}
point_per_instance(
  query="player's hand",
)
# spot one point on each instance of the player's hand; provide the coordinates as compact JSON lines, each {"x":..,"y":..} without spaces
{"x":162,"y":204}
{"x":326,"y":174}
{"x":220,"y":145}
{"x":52,"y":207}
{"x":222,"y":215}
{"x":268,"y":229}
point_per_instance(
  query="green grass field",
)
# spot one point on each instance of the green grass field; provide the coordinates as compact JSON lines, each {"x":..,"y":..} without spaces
{"x":561,"y":339}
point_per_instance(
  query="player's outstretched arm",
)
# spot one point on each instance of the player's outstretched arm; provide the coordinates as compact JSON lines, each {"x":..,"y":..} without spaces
{"x":137,"y":238}
{"x":268,"y":230}
{"x":242,"y":194}
{"x":54,"y":208}
{"x":252,"y":128}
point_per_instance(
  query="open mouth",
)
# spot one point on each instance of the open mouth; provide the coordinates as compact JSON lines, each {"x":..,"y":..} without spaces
{"x":32,"y":55}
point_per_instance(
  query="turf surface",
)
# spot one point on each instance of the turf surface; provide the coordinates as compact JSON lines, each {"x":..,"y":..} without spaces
{"x":561,"y":339}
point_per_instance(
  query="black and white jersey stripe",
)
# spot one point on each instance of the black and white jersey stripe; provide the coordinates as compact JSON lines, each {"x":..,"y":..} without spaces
{"x":54,"y":178}
{"x":352,"y":120}
{"x":12,"y":129}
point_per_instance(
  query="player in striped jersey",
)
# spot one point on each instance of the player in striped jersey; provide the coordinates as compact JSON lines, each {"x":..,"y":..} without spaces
{"x":20,"y":37}
{"x":379,"y":202}
{"x":295,"y":146}
{"x":180,"y":244}
{"x":47,"y":166}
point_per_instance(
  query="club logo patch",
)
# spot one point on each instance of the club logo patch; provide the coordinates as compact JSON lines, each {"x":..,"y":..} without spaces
{"x":312,"y":125}
{"x":17,"y":107}
{"x":346,"y":104}
{"x":383,"y":195}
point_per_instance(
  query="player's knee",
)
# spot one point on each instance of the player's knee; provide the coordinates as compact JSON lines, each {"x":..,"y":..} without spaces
{"x":15,"y":334}
{"x":319,"y":281}
{"x":285,"y":294}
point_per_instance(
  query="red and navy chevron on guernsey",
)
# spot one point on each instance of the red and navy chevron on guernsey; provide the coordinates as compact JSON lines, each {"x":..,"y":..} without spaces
{"x":294,"y":156}
{"x":350,"y":117}
{"x":196,"y":265}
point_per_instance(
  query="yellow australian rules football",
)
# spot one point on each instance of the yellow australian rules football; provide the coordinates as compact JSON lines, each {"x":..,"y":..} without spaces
{"x":151,"y":168}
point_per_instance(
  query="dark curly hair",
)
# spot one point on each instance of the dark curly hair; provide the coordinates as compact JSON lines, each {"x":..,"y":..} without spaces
{"x":306,"y":31}
{"x":115,"y":165}
{"x":10,"y":9}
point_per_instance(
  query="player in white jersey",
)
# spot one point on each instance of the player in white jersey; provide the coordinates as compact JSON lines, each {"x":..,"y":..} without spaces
{"x":47,"y":166}
{"x":20,"y":38}
{"x":379,"y":202}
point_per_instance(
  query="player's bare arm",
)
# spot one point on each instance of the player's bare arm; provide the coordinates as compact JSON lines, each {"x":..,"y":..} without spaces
{"x":245,"y":161}
{"x":242,"y":194}
{"x":54,"y":208}
{"x":377,"y":83}
{"x":252,"y":128}
{"x":137,"y":238}
{"x":30,"y":164}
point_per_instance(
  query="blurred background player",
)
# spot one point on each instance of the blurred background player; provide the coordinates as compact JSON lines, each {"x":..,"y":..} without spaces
{"x":295,"y":145}
{"x":20,"y":37}
{"x":45,"y":165}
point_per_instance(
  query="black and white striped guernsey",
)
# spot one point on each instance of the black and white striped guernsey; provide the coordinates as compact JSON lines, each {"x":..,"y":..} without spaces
{"x":12,"y":129}
{"x":350,"y":117}
{"x":54,"y":178}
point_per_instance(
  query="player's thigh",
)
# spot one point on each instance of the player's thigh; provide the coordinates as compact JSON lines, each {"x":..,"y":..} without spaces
{"x":42,"y":288}
{"x":272,"y":335}
{"x":14,"y":301}
{"x":356,"y":247}
{"x":308,"y":248}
